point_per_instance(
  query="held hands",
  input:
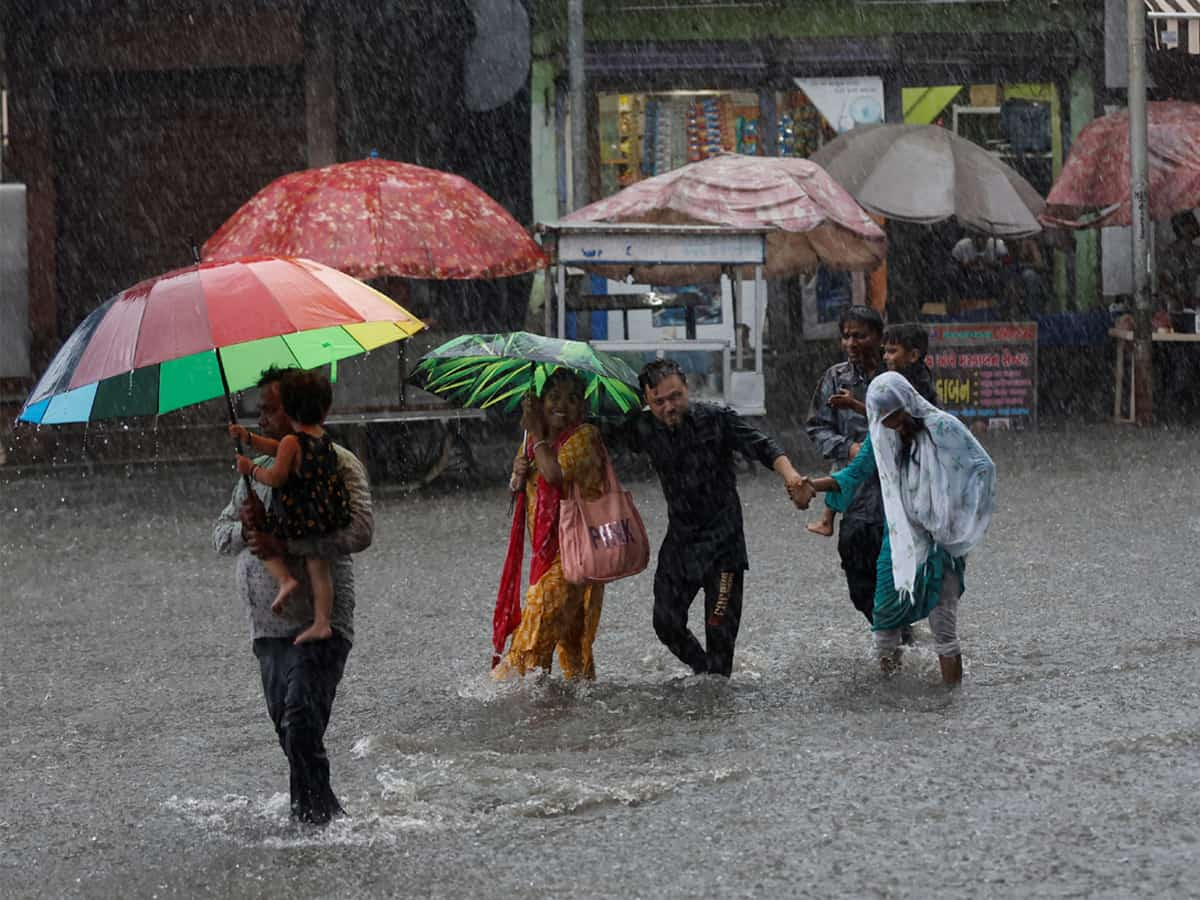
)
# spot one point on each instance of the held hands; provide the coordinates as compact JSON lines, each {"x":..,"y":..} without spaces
{"x":802,"y":494}
{"x":245,"y":465}
{"x":241,"y":434}
{"x":793,"y":481}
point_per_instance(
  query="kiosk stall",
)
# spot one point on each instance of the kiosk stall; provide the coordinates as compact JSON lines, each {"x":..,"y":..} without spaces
{"x":727,"y":358}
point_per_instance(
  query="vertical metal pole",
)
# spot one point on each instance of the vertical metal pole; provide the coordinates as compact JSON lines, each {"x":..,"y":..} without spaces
{"x":735,"y":301}
{"x":1143,"y":359}
{"x":562,"y":301}
{"x":579,"y":113}
{"x":760,"y":316}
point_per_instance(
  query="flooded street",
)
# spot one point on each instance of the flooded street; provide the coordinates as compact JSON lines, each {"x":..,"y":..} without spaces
{"x":139,"y":761}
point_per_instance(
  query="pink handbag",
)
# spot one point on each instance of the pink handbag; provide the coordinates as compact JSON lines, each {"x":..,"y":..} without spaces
{"x":603,"y":539}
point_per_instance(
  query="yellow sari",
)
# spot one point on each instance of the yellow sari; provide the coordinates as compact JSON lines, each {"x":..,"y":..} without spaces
{"x":558,"y":615}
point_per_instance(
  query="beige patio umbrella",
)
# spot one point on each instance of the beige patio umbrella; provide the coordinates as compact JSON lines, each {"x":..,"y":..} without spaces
{"x":812,"y":220}
{"x":926,"y":174}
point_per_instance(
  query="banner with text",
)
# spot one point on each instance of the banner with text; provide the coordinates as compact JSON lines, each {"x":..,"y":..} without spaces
{"x":986,"y":372}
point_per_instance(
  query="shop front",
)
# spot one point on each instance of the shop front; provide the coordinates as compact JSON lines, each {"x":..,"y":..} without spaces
{"x":1015,"y":77}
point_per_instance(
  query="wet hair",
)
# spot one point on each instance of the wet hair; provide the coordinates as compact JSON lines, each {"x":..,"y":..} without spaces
{"x":863,"y":315}
{"x":656,"y":371}
{"x":562,"y":377}
{"x":909,"y":335}
{"x":305,"y":396}
{"x":273,"y":374}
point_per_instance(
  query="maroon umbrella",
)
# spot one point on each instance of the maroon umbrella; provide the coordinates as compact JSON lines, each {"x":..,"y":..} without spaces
{"x":1093,"y":189}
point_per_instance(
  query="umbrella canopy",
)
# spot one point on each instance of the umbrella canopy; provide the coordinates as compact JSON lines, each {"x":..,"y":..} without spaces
{"x":1093,"y":188}
{"x":813,"y":221}
{"x":375,"y":218}
{"x":197,"y":333}
{"x":926,"y":174}
{"x":486,"y":370}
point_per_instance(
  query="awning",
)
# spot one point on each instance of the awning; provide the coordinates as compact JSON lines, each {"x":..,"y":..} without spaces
{"x":1175,"y":24}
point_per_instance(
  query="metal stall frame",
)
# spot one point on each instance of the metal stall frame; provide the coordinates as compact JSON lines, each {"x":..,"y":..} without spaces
{"x":625,"y":247}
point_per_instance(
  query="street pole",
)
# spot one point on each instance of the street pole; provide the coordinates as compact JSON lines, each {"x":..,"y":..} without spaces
{"x":1143,"y":356}
{"x":579,"y":155}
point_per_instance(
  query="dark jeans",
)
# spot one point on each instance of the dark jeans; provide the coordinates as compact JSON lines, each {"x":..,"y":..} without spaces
{"x":673,"y":596}
{"x":858,"y":545}
{"x":300,"y":683}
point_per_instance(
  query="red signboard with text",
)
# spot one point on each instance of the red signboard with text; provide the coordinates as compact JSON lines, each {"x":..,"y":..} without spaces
{"x":986,"y":372}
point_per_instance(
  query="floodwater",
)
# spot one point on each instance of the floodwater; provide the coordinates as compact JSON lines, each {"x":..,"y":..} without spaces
{"x":138,"y":761}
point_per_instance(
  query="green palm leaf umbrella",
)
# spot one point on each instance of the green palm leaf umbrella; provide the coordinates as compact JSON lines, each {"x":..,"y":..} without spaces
{"x":497,"y":370}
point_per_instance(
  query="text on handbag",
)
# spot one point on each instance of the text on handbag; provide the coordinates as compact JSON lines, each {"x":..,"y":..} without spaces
{"x":611,"y":534}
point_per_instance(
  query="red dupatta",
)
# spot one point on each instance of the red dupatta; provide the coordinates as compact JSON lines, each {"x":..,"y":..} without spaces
{"x":507,"y":616}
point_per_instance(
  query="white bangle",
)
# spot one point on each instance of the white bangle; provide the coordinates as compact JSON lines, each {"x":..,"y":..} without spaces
{"x":537,"y":444}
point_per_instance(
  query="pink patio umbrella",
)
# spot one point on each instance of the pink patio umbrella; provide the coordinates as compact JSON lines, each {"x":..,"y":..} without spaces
{"x":813,"y":220}
{"x":1093,"y":189}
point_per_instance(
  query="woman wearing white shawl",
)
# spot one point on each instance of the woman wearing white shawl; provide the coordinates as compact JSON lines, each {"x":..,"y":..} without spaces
{"x":938,"y":488}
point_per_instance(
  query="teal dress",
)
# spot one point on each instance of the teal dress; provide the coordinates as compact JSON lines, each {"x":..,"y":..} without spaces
{"x":890,"y":610}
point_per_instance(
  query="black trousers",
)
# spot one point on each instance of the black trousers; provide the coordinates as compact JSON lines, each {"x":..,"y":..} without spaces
{"x":299,"y":682}
{"x":722,"y":613}
{"x":858,"y":545}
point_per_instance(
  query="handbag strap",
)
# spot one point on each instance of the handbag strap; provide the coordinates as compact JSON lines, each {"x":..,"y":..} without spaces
{"x":612,"y":485}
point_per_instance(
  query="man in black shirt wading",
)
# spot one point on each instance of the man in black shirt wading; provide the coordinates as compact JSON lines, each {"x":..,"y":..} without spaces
{"x":691,"y":447}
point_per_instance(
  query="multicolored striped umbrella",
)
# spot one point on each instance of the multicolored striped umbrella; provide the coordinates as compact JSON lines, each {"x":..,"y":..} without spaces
{"x":198,"y":333}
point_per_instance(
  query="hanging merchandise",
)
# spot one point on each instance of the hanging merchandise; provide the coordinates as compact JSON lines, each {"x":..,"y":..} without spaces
{"x":649,"y":138}
{"x":787,"y":135}
{"x":747,"y":136}
{"x":663,"y":136}
{"x":802,"y":128}
{"x":629,"y":136}
{"x":710,"y":128}
{"x":725,"y":123}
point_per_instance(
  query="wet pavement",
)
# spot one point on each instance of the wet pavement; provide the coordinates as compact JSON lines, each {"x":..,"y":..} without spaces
{"x":138,"y":760}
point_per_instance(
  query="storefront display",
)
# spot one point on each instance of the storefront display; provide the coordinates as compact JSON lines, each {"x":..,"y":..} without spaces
{"x":643,"y":135}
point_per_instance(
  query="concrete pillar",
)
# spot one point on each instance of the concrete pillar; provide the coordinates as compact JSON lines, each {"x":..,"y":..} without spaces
{"x":320,"y":89}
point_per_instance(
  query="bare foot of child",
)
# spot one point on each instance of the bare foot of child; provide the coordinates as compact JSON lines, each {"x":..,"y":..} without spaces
{"x":821,"y":527}
{"x":317,"y":631}
{"x":286,"y":589}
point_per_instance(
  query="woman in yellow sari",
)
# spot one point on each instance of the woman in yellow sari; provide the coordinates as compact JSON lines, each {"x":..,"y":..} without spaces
{"x":560,"y":451}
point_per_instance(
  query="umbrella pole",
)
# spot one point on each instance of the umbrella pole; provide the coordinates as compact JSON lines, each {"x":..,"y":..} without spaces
{"x":232,"y":412}
{"x":514,"y":486}
{"x":224,"y":380}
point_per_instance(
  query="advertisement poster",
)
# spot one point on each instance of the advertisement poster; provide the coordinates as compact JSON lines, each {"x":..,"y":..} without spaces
{"x":846,"y":102}
{"x":986,"y":373}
